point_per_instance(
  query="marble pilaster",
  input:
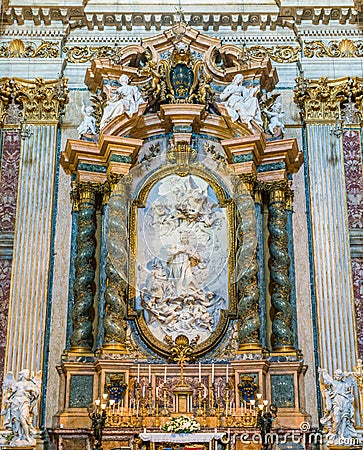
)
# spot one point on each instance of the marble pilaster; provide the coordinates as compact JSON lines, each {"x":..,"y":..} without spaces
{"x":31,"y":256}
{"x":320,"y":106}
{"x":41,"y":105}
{"x":334,"y":292}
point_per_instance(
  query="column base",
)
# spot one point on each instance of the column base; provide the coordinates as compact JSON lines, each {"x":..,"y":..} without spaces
{"x":283,"y":349}
{"x":86,"y":351}
{"x":249,"y":348}
{"x":114,"y":347}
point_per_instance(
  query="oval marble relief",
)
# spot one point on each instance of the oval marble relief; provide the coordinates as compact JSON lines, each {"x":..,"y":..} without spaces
{"x":182,"y":259}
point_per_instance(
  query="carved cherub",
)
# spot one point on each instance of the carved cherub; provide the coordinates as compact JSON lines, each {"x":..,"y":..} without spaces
{"x":88,"y":124}
{"x":156,"y":86}
{"x":275,"y":117}
{"x":205,"y":92}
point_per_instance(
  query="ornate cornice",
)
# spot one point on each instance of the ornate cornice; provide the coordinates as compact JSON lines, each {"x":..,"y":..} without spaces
{"x":95,"y":15}
{"x":41,"y":101}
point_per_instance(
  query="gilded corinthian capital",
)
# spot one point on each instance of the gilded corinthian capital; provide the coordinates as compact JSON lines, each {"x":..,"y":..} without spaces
{"x":42,"y":100}
{"x":320,"y":100}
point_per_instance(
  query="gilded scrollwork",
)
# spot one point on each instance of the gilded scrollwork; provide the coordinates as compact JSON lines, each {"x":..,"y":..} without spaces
{"x":279,"y":53}
{"x":19,"y":49}
{"x":82,"y":54}
{"x":334,"y":49}
{"x":282,"y":332}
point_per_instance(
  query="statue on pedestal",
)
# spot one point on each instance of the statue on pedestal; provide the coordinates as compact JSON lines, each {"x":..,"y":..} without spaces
{"x":20,"y":406}
{"x":338,"y":409}
{"x":126,"y":99}
{"x":240,"y":102}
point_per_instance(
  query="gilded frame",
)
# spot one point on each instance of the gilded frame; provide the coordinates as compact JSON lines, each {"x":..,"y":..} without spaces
{"x":224,"y":201}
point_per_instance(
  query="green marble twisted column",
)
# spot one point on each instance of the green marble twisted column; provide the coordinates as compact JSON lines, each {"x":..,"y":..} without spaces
{"x":84,"y":285}
{"x":114,"y":323}
{"x":280,"y":285}
{"x":248,"y":290}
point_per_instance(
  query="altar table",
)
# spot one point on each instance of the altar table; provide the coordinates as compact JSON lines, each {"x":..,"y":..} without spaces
{"x":182,"y":438}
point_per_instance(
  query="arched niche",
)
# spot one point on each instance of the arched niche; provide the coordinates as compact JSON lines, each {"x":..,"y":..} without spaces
{"x":176,"y":222}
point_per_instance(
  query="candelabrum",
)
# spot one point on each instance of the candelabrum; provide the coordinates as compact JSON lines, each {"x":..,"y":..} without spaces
{"x":264,"y":422}
{"x":216,"y":406}
{"x":97,"y":414}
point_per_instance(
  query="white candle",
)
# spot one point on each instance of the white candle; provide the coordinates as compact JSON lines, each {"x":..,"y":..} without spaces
{"x":205,"y":392}
{"x":227,"y":373}
{"x":213,"y":373}
{"x":157,"y":392}
{"x":138,"y":373}
{"x":226,"y":409}
{"x":219,"y":391}
{"x":200,"y":372}
{"x":165,"y":374}
{"x":149,"y":373}
{"x":143,"y":391}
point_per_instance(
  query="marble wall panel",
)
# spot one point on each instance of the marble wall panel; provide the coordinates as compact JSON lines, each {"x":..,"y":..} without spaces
{"x":9,"y":164}
{"x":9,"y":180}
{"x":353,"y":177}
{"x":354,"y":187}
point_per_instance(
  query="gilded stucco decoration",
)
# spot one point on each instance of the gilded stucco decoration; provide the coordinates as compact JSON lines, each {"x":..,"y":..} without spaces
{"x":193,"y":56}
{"x":20,"y":49}
{"x":40,"y":101}
{"x":278,"y":53}
{"x":321,"y":100}
{"x":83,"y":54}
{"x":334,"y":49}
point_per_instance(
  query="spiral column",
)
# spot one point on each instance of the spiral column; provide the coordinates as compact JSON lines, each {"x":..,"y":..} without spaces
{"x":248,"y":290}
{"x":282,"y":338}
{"x":84,"y":285}
{"x":114,"y":323}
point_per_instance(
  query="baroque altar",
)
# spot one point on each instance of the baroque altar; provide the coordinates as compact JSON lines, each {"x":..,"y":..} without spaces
{"x":181,"y":199}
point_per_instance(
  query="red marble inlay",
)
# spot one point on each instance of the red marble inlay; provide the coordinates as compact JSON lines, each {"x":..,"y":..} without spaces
{"x":354,"y":185}
{"x":9,"y":180}
{"x":5,"y":273}
{"x":353,"y":177}
{"x":9,"y":175}
{"x":357,"y":272}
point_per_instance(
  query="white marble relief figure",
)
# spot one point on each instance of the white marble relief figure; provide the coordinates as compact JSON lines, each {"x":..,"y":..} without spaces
{"x":240,"y":102}
{"x":126,"y":99}
{"x":338,"y":408}
{"x":180,"y":287}
{"x":275,"y":118}
{"x":20,"y":406}
{"x":88,"y":124}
